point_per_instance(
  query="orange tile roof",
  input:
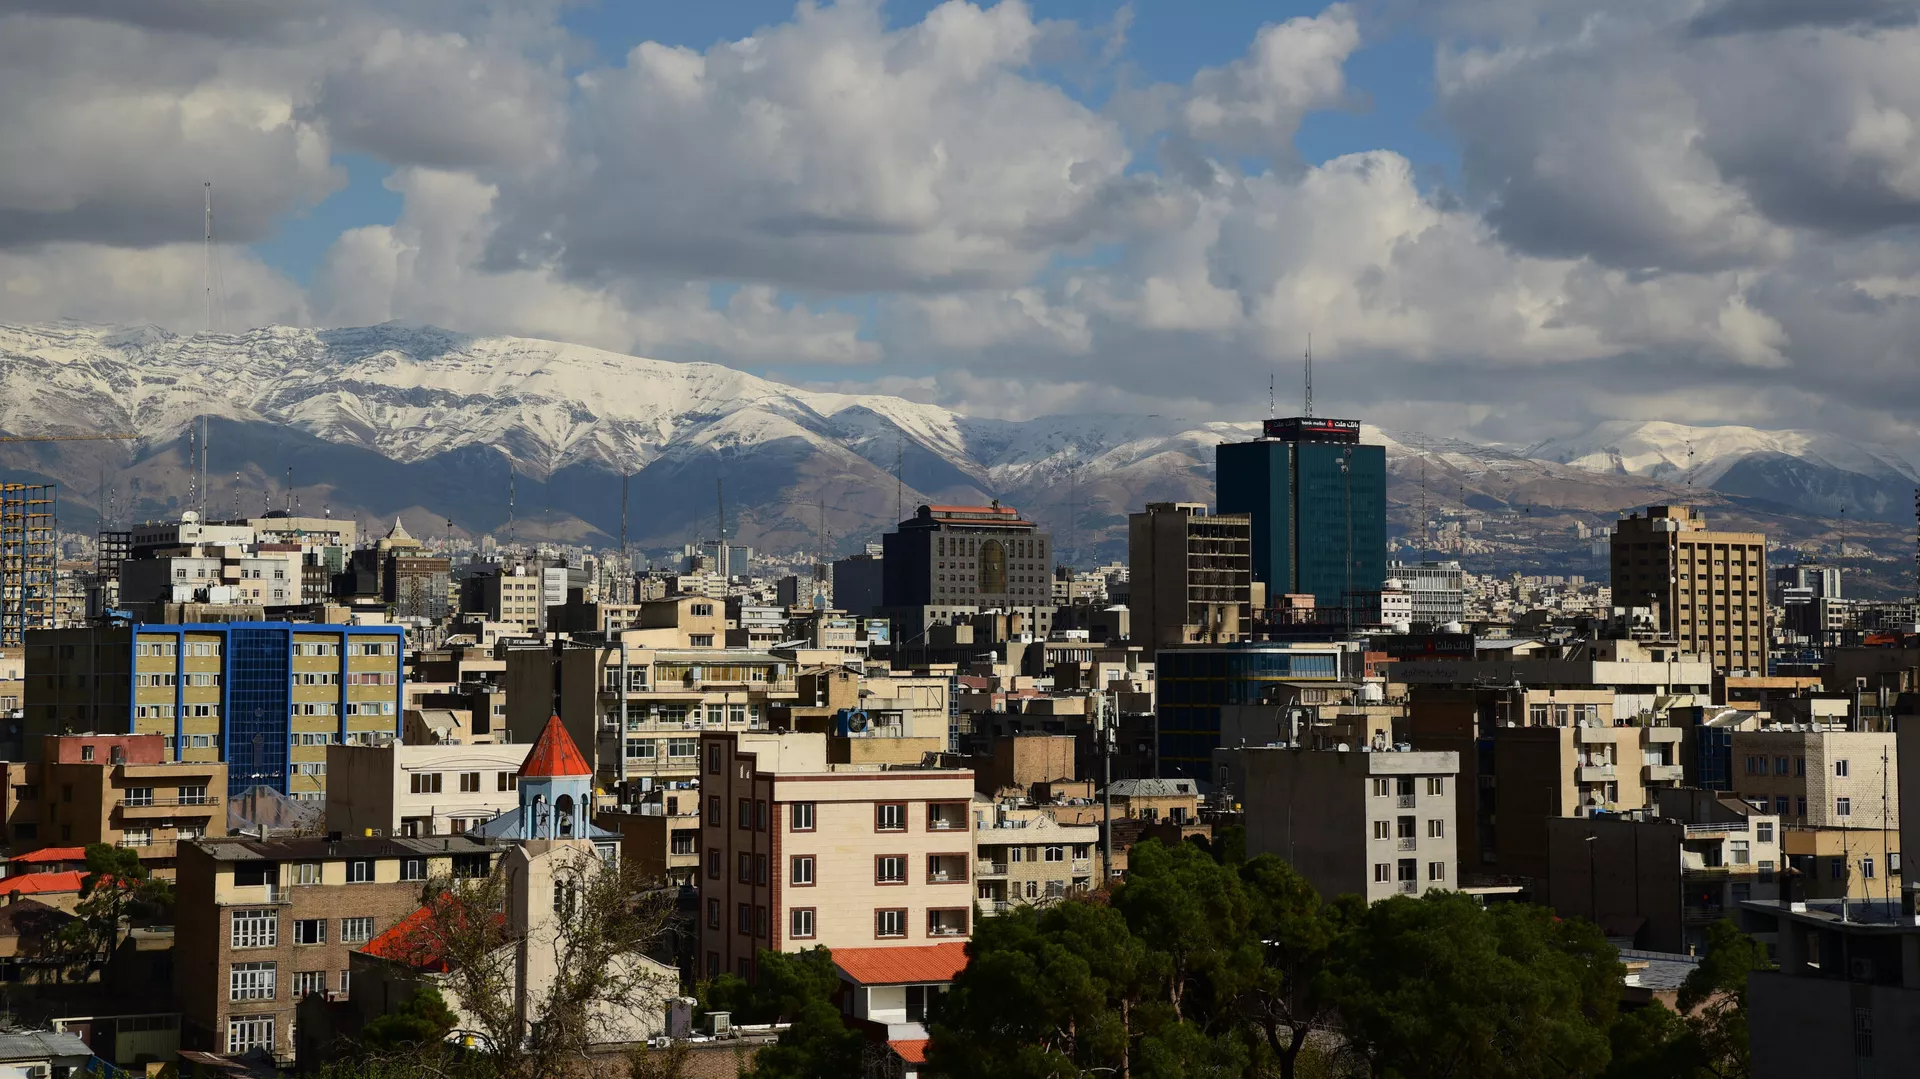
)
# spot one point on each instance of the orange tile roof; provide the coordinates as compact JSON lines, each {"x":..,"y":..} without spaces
{"x":406,"y":943}
{"x":927,"y":964}
{"x":36,"y":883}
{"x":53,"y":854}
{"x":554,"y":754}
{"x":913,"y":1051}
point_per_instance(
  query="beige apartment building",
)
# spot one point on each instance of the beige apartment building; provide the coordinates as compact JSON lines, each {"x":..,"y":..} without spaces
{"x":1190,"y":575}
{"x":117,"y":789}
{"x":1709,"y":588}
{"x":417,"y":791}
{"x":1820,"y":778}
{"x":798,"y":852}
{"x":1026,"y":856}
{"x":1369,"y":824}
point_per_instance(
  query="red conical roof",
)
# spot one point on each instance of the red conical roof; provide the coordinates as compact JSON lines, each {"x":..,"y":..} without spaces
{"x":554,"y":754}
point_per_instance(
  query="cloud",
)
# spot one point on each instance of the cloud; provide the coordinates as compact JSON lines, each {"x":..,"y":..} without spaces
{"x":827,"y":153}
{"x":164,"y":285}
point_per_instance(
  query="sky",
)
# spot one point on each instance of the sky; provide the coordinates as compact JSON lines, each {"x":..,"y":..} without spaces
{"x":1502,"y":220}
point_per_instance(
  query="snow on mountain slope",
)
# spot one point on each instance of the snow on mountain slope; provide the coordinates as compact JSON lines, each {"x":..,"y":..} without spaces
{"x":1703,"y":455}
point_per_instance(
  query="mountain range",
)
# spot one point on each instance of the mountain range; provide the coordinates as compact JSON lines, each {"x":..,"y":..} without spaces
{"x":537,"y":439}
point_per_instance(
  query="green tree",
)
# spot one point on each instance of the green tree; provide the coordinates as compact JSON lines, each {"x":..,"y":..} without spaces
{"x":1714,"y":998}
{"x":1289,"y":995}
{"x":1652,"y":1042}
{"x":422,"y":1020}
{"x":1193,"y":915}
{"x":795,"y":988}
{"x":117,"y":887}
{"x":1439,"y":986}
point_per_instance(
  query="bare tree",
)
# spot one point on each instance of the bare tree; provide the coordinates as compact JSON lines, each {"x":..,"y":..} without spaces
{"x":588,"y":959}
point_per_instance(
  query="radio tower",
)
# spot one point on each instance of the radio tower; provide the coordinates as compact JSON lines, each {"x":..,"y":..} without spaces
{"x":1309,"y":376}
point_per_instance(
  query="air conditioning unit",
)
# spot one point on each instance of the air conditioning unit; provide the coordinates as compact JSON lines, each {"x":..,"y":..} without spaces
{"x":719,"y":1023}
{"x":1861,"y":970}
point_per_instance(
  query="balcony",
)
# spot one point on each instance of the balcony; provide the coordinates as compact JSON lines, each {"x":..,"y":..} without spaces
{"x":990,"y":907}
{"x":1596,"y":773}
{"x":1660,"y":734}
{"x":1663,"y":773}
{"x":1408,"y":842}
{"x":1083,"y":865}
{"x":1588,"y":736}
{"x":989,"y":869}
{"x":946,"y":869}
{"x":1404,"y":801}
{"x":1696,"y":915}
{"x":1409,"y":887}
{"x":202,"y":802}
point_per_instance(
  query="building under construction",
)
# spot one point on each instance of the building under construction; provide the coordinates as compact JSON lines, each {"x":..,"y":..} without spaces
{"x":29,"y":552}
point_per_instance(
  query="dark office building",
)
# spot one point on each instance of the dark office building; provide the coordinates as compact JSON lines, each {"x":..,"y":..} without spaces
{"x":947,"y":562}
{"x":1194,"y":682}
{"x":1318,"y":499}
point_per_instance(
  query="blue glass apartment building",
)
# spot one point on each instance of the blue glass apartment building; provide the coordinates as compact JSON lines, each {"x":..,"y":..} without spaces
{"x":1192,"y":684}
{"x":265,"y":697}
{"x":1318,"y":499}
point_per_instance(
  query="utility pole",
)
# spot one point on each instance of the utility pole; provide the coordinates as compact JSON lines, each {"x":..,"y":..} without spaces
{"x":1104,"y":719}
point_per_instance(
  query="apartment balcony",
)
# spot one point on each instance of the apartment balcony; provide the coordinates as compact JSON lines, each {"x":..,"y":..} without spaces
{"x":1701,"y":915}
{"x":1083,"y":865}
{"x":1588,"y":736}
{"x":1409,"y":887}
{"x":1663,"y":773}
{"x":987,"y":908}
{"x":1408,"y":842}
{"x":172,"y":770}
{"x":1716,"y":828}
{"x":165,"y":807}
{"x":1596,"y":773}
{"x":1404,"y":801}
{"x":989,"y":869}
{"x":1661,"y":734}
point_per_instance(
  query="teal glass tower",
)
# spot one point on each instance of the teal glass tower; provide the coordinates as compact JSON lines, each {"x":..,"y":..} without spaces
{"x":1318,"y":499}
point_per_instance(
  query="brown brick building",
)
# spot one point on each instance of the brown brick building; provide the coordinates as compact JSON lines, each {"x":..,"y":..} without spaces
{"x":259,"y":924}
{"x":1710,"y":587}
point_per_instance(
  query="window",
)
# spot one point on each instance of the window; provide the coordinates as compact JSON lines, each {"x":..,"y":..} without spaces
{"x":1382,"y":873}
{"x":251,"y":981}
{"x":356,"y":930}
{"x":713,"y":914}
{"x":1056,"y":854}
{"x":1866,"y":868}
{"x":800,"y":925}
{"x":890,"y":869}
{"x":469,"y":782}
{"x":360,"y":870}
{"x":715,"y":819}
{"x":1763,"y":831}
{"x":1766,"y":872}
{"x":890,"y":923}
{"x":413,"y":869}
{"x":426,"y":782}
{"x":1436,"y":828}
{"x":306,"y":872}
{"x":1436,"y":871}
{"x":1780,"y":765}
{"x":802,"y":814}
{"x":1843,"y":807}
{"x":310,"y":931}
{"x":802,"y":872}
{"x":759,"y":921}
{"x":743,"y":918}
{"x":1382,"y":829}
{"x":713,"y":863}
{"x":256,"y":929}
{"x":745,"y":862}
{"x":890,"y":817}
{"x":1403,"y":827}
{"x":1739,"y":852}
{"x":1436,"y":785}
{"x":744,"y":821}
{"x":1839,"y":869}
{"x":306,"y":982}
{"x":1840,"y":769}
{"x":253,"y":1032}
{"x":506,"y":781}
{"x":346,"y":980}
{"x":713,"y":760}
{"x":566,"y":897}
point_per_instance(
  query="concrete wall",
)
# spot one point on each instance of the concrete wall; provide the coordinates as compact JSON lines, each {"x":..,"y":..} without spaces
{"x":1805,"y":1027}
{"x":1629,"y":871}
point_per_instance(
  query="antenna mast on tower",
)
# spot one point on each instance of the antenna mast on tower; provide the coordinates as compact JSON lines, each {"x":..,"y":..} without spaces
{"x":1309,"y":376}
{"x":720,"y":496}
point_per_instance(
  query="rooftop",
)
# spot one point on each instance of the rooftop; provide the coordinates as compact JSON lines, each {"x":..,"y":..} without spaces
{"x":41,"y":883}
{"x":52,"y":854}
{"x":554,"y":755}
{"x":317,"y":848}
{"x":41,"y":1044}
{"x":926,"y":964}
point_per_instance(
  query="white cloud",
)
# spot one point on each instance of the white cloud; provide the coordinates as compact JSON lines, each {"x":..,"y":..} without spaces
{"x":163,"y":285}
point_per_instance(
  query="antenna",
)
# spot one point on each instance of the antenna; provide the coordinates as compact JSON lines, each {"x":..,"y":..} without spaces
{"x":511,"y":540}
{"x":626,"y":558}
{"x":720,"y":496}
{"x":208,"y":185}
{"x":1270,"y":406}
{"x":206,"y":428}
{"x":1309,"y":376}
{"x":900,"y":484}
{"x":289,"y":490}
{"x":193,"y":472}
{"x":236,"y":495}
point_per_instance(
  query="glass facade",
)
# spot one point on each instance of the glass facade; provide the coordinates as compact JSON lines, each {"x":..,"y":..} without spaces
{"x":1193,"y":683}
{"x":1319,"y":514}
{"x":259,"y":674}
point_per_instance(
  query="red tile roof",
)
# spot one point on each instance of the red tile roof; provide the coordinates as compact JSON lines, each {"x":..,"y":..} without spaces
{"x":412,"y":940}
{"x":554,"y":754}
{"x":926,"y":964}
{"x":913,"y":1051}
{"x":53,"y":854}
{"x":36,"y":883}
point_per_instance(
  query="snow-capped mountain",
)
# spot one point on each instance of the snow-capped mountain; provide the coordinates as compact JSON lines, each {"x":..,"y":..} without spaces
{"x":1811,"y":470}
{"x":534,"y":437}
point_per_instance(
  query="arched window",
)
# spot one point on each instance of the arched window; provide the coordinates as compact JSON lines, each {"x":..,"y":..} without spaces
{"x":993,"y":567}
{"x":563,"y":816}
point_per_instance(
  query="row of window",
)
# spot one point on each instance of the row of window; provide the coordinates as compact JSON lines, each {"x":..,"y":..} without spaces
{"x":1757,"y":766}
{"x":430,"y":782}
{"x":752,"y":815}
{"x":888,"y":922}
{"x":261,"y":928}
{"x":1407,"y":828}
{"x":170,"y":648}
{"x":887,"y":868}
{"x":677,"y":748}
{"x":1407,"y":871}
{"x":1404,"y":786}
{"x":642,"y":713}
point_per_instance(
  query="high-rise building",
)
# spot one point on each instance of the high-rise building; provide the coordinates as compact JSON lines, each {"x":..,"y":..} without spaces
{"x":947,"y":562}
{"x":1318,"y":500}
{"x":1190,"y":576}
{"x":1194,"y":682}
{"x":1709,"y":588}
{"x":265,"y":697}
